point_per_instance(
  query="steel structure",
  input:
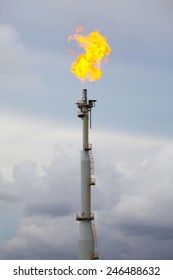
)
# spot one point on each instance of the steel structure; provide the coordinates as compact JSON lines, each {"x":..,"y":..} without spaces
{"x":87,"y":232}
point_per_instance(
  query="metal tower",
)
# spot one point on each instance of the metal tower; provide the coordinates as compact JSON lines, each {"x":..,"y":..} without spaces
{"x":87,"y":232}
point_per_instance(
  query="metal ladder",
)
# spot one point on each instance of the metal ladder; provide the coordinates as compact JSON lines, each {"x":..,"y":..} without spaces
{"x":91,"y":162}
{"x":95,"y":253}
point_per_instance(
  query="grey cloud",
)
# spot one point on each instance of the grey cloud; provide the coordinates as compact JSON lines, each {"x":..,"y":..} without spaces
{"x":133,"y":210}
{"x":154,"y":231}
{"x":140,"y":214}
{"x":7,"y":192}
{"x":45,"y":207}
{"x":50,"y":194}
{"x":41,"y":238}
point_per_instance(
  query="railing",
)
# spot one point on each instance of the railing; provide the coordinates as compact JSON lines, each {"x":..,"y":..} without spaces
{"x":82,"y":217}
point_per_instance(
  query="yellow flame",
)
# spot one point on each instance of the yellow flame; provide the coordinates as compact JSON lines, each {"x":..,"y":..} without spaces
{"x":87,"y":65}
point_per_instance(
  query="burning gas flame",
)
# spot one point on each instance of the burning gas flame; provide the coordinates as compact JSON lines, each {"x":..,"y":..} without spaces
{"x":87,"y":65}
{"x":79,"y":29}
{"x":70,"y":52}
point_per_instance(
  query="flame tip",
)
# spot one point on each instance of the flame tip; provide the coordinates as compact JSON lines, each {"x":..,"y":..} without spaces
{"x":79,"y":29}
{"x":87,"y":65}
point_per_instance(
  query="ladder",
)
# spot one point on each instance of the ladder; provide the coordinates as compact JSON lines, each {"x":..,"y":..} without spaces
{"x":91,"y":162}
{"x":95,"y":253}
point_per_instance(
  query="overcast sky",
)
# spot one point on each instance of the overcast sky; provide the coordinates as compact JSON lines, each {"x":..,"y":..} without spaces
{"x":40,"y":134}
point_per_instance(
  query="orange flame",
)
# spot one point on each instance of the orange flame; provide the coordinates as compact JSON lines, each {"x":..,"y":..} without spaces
{"x":70,"y":52}
{"x":87,"y":65}
{"x":79,"y":29}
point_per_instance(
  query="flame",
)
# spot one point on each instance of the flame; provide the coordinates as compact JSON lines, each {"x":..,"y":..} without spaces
{"x":79,"y":29}
{"x":105,"y":59}
{"x":87,"y":65}
{"x":70,"y":52}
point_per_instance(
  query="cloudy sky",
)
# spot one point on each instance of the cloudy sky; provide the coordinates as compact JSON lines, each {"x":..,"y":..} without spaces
{"x":40,"y":135}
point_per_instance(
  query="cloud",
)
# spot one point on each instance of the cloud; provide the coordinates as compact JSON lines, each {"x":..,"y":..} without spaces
{"x":41,"y":238}
{"x":16,"y":75}
{"x":132,"y":198}
{"x":46,"y":208}
{"x":35,"y":139}
{"x":139,"y":214}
